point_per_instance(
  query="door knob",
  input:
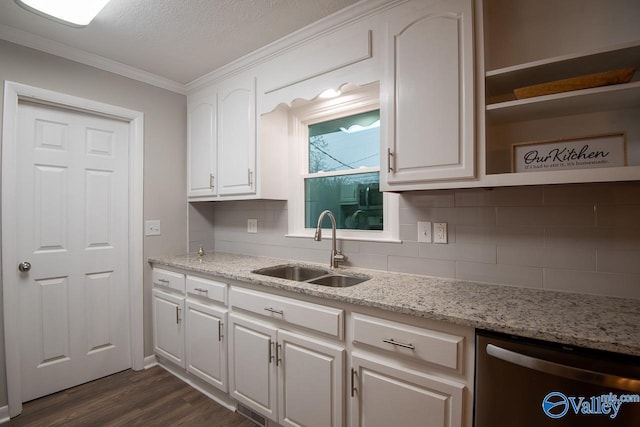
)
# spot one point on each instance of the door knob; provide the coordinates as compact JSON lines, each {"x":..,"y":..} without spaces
{"x":24,"y":266}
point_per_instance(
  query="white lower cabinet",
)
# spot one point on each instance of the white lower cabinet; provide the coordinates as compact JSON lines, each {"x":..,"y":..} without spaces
{"x":206,"y":355}
{"x":410,"y":374}
{"x":168,"y":326}
{"x":290,"y":378}
{"x":285,"y":358}
{"x":387,"y":395}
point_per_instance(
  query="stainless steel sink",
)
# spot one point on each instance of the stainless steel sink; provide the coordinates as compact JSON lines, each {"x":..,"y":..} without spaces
{"x":314,"y":275}
{"x":338,"y":281}
{"x":292,"y":272}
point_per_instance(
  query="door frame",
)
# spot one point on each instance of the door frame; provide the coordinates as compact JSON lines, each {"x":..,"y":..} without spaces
{"x":13,"y":92}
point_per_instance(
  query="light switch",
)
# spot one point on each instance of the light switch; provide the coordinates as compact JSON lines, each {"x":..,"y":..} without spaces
{"x":424,"y":231}
{"x":252,"y":226}
{"x":152,"y":227}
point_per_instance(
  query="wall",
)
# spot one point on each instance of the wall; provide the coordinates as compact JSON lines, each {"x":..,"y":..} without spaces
{"x":579,"y":238}
{"x":164,"y":146}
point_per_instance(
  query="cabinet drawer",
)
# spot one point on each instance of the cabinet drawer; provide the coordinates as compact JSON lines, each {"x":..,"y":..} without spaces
{"x":419,"y":343}
{"x":167,"y":278}
{"x":206,"y":288}
{"x":319,"y":318}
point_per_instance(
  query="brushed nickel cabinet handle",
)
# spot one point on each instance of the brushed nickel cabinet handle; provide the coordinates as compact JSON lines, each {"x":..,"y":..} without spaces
{"x":278,"y":355}
{"x":399,"y":344}
{"x":354,"y":390}
{"x":273,"y":310}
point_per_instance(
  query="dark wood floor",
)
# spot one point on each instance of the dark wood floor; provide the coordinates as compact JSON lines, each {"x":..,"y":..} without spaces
{"x":146,"y":398}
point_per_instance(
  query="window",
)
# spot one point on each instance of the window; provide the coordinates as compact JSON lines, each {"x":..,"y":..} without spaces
{"x":337,"y":143}
{"x":343,"y":172}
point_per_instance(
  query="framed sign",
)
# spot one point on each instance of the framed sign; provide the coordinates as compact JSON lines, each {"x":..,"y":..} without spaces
{"x":586,"y":152}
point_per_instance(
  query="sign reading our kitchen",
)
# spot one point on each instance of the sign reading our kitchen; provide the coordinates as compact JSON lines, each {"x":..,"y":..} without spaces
{"x":597,"y":151}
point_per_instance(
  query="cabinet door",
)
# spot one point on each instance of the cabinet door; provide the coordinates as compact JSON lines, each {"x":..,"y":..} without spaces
{"x":237,"y":137}
{"x":386,"y":396}
{"x":430,"y":92}
{"x":201,"y":148}
{"x":168,"y":326}
{"x":206,"y":343}
{"x":252,"y":365}
{"x":310,"y":381}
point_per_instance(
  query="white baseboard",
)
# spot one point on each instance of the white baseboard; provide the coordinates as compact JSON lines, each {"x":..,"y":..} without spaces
{"x":4,"y":414}
{"x":150,"y":361}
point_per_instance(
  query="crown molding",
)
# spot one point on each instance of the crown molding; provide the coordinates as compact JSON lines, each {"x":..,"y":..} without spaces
{"x":33,"y":41}
{"x":357,"y":12}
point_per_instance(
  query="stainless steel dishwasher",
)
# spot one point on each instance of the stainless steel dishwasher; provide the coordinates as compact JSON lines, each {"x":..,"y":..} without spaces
{"x":529,"y":383}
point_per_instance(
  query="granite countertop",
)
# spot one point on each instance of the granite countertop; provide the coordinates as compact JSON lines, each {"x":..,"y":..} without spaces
{"x":596,"y":322}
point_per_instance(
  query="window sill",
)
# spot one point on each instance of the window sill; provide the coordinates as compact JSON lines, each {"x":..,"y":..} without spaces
{"x":350,"y":238}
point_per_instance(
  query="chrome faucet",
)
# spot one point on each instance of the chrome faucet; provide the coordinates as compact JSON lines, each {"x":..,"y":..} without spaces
{"x":336,"y":255}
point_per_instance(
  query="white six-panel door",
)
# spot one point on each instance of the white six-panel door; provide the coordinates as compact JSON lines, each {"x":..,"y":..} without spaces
{"x":72,"y":204}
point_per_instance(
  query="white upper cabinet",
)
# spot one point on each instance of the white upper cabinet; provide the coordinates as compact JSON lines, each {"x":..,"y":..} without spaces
{"x":428,"y":94}
{"x":237,"y":136}
{"x":233,"y":154}
{"x":201,"y":136}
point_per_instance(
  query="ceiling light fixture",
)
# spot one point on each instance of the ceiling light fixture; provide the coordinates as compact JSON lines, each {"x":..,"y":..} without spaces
{"x":76,"y":13}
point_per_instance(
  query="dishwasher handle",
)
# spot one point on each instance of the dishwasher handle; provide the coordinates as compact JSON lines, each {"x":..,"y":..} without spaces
{"x":570,"y":372}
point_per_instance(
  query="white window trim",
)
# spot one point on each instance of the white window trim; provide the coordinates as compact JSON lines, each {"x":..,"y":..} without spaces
{"x":359,"y":101}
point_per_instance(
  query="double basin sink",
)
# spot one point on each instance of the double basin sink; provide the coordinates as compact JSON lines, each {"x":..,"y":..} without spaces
{"x":314,"y":275}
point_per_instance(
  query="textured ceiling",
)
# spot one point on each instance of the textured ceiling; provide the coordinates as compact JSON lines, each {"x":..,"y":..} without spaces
{"x":179,"y":40}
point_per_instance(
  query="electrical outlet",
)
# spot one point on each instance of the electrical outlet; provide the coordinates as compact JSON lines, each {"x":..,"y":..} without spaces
{"x":152,"y":228}
{"x":252,"y":226}
{"x":424,"y":231}
{"x":440,"y":232}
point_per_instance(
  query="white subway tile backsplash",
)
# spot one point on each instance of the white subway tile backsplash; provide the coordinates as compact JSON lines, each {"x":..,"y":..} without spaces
{"x":547,"y":216}
{"x":409,"y":215}
{"x":513,"y":275}
{"x":616,"y":285}
{"x":612,"y":261}
{"x":476,"y":235}
{"x":458,"y":252}
{"x":366,"y":260}
{"x":575,"y":259}
{"x":601,"y":194}
{"x":620,"y":239}
{"x":431,"y":199}
{"x":582,"y":238}
{"x":619,"y":216}
{"x":409,"y":232}
{"x":520,"y":236}
{"x":427,"y":267}
{"x":406,"y":248}
{"x":571,"y":238}
{"x":519,"y":216}
{"x":505,"y":196}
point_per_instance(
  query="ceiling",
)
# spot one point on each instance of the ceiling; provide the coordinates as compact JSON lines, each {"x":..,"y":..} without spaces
{"x":177,"y":40}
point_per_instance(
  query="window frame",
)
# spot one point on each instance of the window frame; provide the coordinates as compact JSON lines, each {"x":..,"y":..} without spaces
{"x":320,"y":110}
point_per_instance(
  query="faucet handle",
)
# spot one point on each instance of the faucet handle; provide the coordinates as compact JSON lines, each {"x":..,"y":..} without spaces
{"x":339,"y":257}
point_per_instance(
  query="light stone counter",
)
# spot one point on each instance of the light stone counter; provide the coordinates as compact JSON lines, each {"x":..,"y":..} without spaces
{"x":585,"y":320}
